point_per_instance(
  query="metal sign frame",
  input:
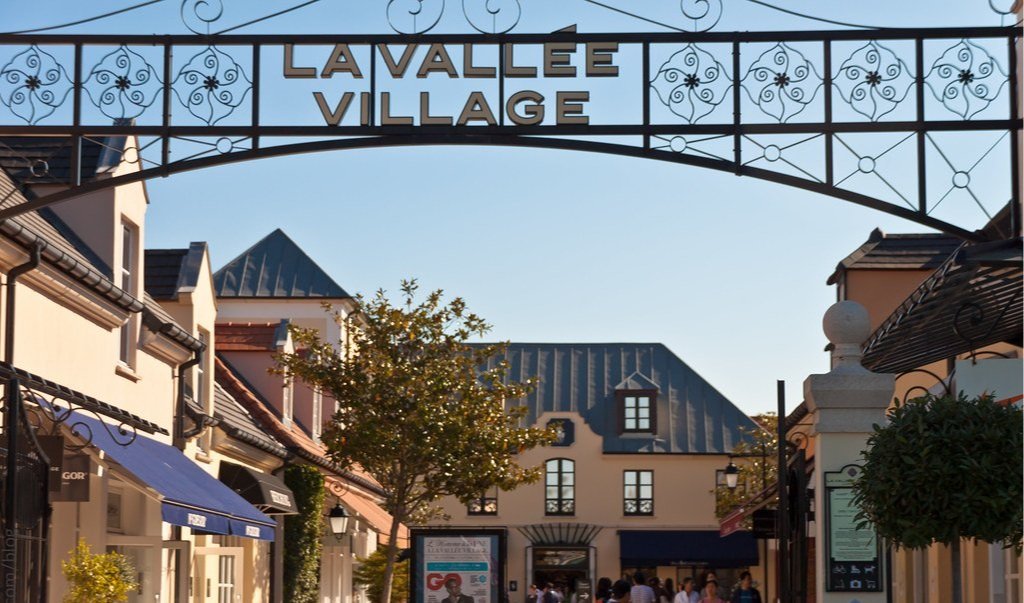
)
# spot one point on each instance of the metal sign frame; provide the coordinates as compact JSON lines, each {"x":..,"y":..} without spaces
{"x":836,"y":569}
{"x":203,"y":79}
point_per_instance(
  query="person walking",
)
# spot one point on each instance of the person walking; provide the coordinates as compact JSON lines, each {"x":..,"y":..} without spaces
{"x":532,"y":594}
{"x":689,"y":593}
{"x":745,"y":592}
{"x":641,"y":593}
{"x":707,"y":577}
{"x":620,"y":592}
{"x":711,"y":593}
{"x":604,"y":590}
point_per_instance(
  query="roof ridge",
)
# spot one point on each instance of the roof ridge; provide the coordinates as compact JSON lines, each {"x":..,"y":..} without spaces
{"x":282,"y":269}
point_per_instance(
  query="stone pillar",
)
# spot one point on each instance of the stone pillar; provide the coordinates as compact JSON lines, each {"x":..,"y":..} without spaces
{"x":844,"y":405}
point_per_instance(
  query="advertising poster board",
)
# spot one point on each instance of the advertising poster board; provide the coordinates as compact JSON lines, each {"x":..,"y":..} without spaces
{"x":854,"y":554}
{"x":458,"y":566}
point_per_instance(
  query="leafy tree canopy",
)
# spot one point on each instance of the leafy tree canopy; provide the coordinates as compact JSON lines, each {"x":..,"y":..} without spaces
{"x":370,"y":573}
{"x":945,"y":468}
{"x":420,"y":409}
{"x":757,"y":458}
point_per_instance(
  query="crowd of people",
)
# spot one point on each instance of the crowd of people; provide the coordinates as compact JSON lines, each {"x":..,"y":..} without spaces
{"x":637,"y":589}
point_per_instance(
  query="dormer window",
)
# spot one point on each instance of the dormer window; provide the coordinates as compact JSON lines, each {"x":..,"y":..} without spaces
{"x":638,"y":411}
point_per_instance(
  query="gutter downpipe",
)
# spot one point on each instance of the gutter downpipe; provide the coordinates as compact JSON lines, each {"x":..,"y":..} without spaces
{"x":181,"y":564}
{"x":179,"y":411}
{"x":13,"y":412}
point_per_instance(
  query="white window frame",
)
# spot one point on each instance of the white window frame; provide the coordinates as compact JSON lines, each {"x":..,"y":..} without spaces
{"x":129,"y":275}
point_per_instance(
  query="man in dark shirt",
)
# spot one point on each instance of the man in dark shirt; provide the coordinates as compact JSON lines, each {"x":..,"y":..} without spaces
{"x":745,"y":592}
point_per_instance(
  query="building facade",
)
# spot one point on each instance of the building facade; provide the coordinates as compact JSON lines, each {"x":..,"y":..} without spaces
{"x":630,"y":484}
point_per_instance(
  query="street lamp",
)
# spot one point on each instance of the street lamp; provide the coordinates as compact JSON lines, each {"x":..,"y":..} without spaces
{"x":338,"y":518}
{"x":732,"y":475}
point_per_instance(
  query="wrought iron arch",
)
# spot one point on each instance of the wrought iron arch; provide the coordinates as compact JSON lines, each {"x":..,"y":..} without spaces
{"x":753,"y":96}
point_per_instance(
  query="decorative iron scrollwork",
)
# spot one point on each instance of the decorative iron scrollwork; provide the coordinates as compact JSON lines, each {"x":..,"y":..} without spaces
{"x":917,"y":391}
{"x":46,"y":414}
{"x":33,"y":84}
{"x":123,"y":84}
{"x":414,"y":16}
{"x":492,"y":16}
{"x":782,"y":82}
{"x":197,"y":15}
{"x":691,"y":83}
{"x":873,"y":80}
{"x":966,"y":79}
{"x":211,"y":85}
{"x":704,"y":14}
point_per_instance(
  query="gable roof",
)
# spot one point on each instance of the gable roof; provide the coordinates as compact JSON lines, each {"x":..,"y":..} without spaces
{"x":47,"y":159}
{"x":291,"y":436}
{"x":240,"y":424}
{"x":33,"y":228}
{"x":920,"y":251}
{"x":275,"y":267}
{"x":583,"y":378}
{"x":170,"y":272}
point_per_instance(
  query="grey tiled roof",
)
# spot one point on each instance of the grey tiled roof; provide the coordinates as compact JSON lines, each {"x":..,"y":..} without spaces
{"x":924,"y":251}
{"x":163,"y":266}
{"x":275,"y":267}
{"x":233,"y":416}
{"x":47,"y":159}
{"x":693,"y":417}
{"x":170,"y":271}
{"x":33,"y":228}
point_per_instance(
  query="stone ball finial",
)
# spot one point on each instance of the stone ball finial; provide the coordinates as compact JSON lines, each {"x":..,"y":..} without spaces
{"x":846,"y":323}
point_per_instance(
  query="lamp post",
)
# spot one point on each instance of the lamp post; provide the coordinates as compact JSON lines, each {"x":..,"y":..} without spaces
{"x":338,"y":518}
{"x":732,"y":475}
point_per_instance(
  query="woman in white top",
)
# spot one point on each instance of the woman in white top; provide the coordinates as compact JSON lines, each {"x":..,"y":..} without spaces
{"x":689,"y":593}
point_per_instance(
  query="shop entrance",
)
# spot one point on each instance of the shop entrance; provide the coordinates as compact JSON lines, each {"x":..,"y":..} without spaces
{"x":218,"y":574}
{"x":565,"y":567}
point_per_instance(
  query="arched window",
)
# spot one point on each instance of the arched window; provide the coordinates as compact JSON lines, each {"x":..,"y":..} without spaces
{"x":560,"y":487}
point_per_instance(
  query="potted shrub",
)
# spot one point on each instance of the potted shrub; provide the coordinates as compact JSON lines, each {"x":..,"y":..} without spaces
{"x":97,"y":578}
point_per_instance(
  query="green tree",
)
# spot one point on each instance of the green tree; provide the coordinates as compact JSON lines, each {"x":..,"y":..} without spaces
{"x":945,"y":469}
{"x":97,"y":578}
{"x":370,"y":573}
{"x":302,"y":534}
{"x":757,"y":459}
{"x":419,"y":409}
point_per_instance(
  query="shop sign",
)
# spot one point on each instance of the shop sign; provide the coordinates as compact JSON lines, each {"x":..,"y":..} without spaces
{"x":74,"y":479}
{"x":853,"y":552}
{"x":457,"y":567}
{"x":560,"y":558}
{"x":53,"y":446}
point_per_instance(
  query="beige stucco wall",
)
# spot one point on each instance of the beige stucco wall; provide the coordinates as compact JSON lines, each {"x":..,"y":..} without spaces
{"x":923,"y":577}
{"x":683,"y":500}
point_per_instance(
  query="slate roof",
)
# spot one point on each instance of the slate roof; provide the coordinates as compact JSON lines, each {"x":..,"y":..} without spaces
{"x":275,"y":267}
{"x":47,"y":159}
{"x":170,"y":272}
{"x":922,"y":251}
{"x":238,"y":422}
{"x":583,"y":378}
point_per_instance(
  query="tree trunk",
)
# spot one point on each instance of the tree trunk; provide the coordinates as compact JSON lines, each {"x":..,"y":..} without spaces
{"x":958,"y":589}
{"x":389,"y":568}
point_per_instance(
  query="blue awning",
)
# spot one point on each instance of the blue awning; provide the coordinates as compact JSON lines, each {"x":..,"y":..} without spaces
{"x":190,"y":497}
{"x":647,"y":548}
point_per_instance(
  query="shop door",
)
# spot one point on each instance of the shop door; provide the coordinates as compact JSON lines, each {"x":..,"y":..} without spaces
{"x":218,"y":575}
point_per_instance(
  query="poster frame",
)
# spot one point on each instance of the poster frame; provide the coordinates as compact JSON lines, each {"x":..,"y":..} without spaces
{"x":845,"y":476}
{"x":417,"y":536}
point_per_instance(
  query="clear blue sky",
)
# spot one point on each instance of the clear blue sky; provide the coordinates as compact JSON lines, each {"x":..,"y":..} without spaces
{"x":548,"y":245}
